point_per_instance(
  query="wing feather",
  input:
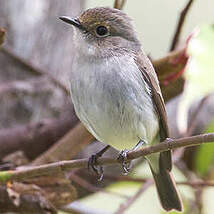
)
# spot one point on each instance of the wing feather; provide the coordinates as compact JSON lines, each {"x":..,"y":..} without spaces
{"x":150,"y":77}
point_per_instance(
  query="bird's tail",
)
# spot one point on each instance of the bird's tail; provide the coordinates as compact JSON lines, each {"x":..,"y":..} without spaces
{"x":166,"y":189}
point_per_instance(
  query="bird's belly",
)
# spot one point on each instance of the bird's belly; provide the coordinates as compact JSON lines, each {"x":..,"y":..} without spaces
{"x":108,"y":121}
{"x":116,"y":108}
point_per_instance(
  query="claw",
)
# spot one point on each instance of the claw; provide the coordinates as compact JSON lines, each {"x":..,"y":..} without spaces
{"x":123,"y":159}
{"x":92,"y":164}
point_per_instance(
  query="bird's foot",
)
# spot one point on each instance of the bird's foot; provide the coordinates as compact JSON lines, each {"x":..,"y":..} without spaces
{"x":123,"y":159}
{"x":98,"y":169}
{"x":93,"y":164}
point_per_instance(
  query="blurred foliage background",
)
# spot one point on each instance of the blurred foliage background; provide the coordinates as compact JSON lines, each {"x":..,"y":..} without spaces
{"x":38,"y":124}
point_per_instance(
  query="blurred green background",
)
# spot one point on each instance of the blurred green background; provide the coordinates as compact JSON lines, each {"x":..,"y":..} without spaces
{"x":156,"y":20}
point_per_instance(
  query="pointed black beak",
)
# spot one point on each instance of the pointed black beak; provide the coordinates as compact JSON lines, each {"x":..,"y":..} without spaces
{"x":74,"y":22}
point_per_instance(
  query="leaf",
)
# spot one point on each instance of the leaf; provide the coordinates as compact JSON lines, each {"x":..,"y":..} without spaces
{"x":205,"y":155}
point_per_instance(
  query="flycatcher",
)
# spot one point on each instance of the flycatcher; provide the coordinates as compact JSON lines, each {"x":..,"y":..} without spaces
{"x":116,"y":94}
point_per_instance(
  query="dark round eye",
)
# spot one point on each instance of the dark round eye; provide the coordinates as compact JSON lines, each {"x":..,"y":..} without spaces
{"x":101,"y":31}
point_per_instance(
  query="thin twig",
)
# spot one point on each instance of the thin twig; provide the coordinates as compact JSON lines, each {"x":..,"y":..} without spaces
{"x":90,"y":187}
{"x":119,"y":4}
{"x":194,"y":117}
{"x":131,"y":200}
{"x":143,"y":180}
{"x":62,"y":166}
{"x":180,"y":25}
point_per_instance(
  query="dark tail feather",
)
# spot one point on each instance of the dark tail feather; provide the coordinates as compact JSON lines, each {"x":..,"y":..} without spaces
{"x":167,"y":191}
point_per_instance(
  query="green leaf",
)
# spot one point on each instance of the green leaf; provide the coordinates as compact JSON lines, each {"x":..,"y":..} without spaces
{"x":5,"y":176}
{"x":205,"y":155}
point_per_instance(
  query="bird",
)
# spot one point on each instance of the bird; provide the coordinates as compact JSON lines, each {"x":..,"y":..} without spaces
{"x":116,"y":93}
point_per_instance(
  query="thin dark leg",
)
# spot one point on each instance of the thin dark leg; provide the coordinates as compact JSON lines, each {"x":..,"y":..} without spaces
{"x":123,"y":159}
{"x":92,"y":163}
{"x":123,"y":156}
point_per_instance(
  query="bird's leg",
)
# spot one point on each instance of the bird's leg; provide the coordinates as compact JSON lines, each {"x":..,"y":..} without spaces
{"x":92,"y":163}
{"x":139,"y":144}
{"x":123,"y":156}
{"x":123,"y":159}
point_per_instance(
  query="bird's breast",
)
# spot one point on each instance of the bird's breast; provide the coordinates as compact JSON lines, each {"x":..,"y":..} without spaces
{"x":113,"y":101}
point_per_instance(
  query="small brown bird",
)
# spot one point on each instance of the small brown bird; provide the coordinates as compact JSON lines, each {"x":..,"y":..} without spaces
{"x":116,"y":94}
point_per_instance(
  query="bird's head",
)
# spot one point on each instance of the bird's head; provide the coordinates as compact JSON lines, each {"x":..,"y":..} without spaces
{"x":103,"y":32}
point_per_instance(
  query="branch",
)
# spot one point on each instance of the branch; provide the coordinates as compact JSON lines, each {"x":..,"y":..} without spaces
{"x":62,"y":166}
{"x":35,"y":70}
{"x":193,"y":122}
{"x":143,"y":180}
{"x":180,"y":25}
{"x":132,"y":199}
{"x":90,"y":187}
{"x":67,"y":147}
{"x":35,"y":138}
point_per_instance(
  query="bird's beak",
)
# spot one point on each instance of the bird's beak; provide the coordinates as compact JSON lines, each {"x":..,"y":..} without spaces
{"x":74,"y":22}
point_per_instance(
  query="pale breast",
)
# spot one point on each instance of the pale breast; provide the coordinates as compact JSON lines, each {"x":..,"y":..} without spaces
{"x":113,"y":101}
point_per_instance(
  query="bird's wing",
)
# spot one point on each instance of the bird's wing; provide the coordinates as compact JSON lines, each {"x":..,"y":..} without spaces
{"x":151,"y":79}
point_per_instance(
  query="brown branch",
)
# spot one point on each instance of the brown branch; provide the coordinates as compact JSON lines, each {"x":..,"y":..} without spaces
{"x":194,"y":117}
{"x":119,"y":4}
{"x":35,"y":70}
{"x":132,"y":199}
{"x":67,"y":147}
{"x":35,"y":138}
{"x":180,"y":25}
{"x":62,"y":166}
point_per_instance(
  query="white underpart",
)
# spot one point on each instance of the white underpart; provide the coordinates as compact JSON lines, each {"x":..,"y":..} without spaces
{"x":113,"y":101}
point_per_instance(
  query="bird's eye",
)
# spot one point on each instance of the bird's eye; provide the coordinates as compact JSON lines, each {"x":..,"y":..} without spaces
{"x":102,"y":31}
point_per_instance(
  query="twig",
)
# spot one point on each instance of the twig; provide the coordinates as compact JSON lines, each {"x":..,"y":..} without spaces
{"x":180,"y":25}
{"x":33,"y":68}
{"x":194,"y":117}
{"x":131,"y":200}
{"x":62,"y":166}
{"x":142,"y":180}
{"x":119,"y":4}
{"x":90,"y":187}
